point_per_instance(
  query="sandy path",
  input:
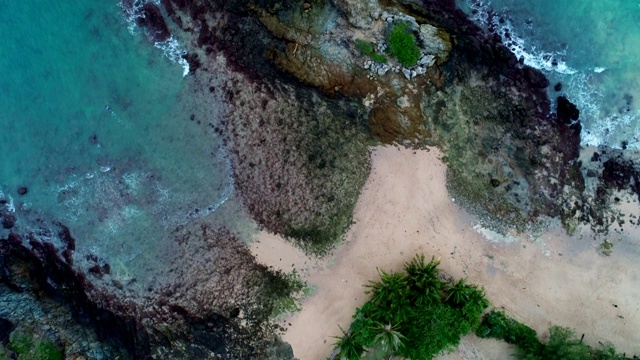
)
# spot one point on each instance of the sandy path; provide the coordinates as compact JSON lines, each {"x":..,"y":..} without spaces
{"x":405,"y":209}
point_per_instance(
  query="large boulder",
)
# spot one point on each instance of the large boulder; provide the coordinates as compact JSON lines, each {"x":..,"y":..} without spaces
{"x":360,"y":13}
{"x":434,"y":41}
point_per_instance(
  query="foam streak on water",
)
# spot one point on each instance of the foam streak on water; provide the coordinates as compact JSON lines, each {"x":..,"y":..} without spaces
{"x":171,"y":47}
{"x":585,"y":67}
{"x":529,"y":53}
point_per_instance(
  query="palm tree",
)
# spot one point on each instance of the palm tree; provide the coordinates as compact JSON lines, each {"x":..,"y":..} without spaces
{"x":460,"y":293}
{"x":348,"y":346}
{"x":425,"y":285}
{"x":388,"y":337}
{"x":389,"y":297}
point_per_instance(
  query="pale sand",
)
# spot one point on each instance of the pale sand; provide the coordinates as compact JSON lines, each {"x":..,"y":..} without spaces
{"x":405,"y":209}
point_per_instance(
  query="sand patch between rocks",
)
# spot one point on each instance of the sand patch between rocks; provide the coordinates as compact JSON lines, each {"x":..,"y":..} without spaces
{"x":405,"y":209}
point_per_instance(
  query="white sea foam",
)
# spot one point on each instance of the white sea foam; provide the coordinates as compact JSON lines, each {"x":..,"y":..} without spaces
{"x":174,"y":52}
{"x":598,"y":127}
{"x":10,"y":206}
{"x":170,"y":48}
{"x":530,"y":54}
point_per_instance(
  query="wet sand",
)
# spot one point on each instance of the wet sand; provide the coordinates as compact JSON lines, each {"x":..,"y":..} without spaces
{"x":404,"y":209}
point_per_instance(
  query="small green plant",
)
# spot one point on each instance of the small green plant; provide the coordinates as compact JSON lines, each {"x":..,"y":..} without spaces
{"x":388,"y":337}
{"x":424,"y":282}
{"x":402,"y":44}
{"x":348,"y":346}
{"x":390,"y":296}
{"x":366,"y":48}
{"x":27,"y":347}
{"x":285,"y":292}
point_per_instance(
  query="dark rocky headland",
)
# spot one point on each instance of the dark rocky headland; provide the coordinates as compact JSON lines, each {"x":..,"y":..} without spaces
{"x":302,"y":105}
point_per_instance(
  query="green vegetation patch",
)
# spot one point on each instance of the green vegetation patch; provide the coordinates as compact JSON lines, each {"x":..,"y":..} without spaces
{"x":366,"y":48}
{"x":414,"y":314}
{"x":402,"y":44}
{"x":285,"y":292}
{"x":28,"y":347}
{"x":563,"y":344}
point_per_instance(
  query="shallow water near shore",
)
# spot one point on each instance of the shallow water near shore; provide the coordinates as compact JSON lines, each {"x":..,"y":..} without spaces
{"x":95,"y":122}
{"x":588,"y":46}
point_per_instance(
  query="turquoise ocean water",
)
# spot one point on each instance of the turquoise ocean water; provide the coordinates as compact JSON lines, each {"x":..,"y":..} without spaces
{"x":121,"y":179}
{"x":596,"y":45}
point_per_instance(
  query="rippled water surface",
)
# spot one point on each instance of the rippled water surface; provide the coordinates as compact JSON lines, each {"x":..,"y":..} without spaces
{"x":95,"y":122}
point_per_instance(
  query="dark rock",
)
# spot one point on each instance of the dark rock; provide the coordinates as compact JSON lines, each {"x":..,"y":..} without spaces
{"x":65,"y":235}
{"x":567,"y":111}
{"x":595,"y":157}
{"x":22,"y":190}
{"x":618,"y":173}
{"x":235,"y":312}
{"x":96,"y":270}
{"x":535,"y":78}
{"x":93,"y":139}
{"x":6,"y":327}
{"x":150,"y":18}
{"x":8,"y":219}
{"x":193,"y":61}
{"x":557,"y":87}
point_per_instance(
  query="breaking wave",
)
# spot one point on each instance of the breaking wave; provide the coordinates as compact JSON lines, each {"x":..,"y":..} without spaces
{"x":171,"y":48}
{"x":599,"y":127}
{"x":530,"y":54}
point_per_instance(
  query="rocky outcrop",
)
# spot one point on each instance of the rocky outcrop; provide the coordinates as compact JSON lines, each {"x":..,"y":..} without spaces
{"x":360,"y":13}
{"x":489,"y":113}
{"x":206,"y":312}
{"x":299,"y":157}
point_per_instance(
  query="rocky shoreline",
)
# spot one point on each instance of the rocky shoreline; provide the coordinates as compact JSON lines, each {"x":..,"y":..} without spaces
{"x":302,"y":105}
{"x":509,"y":157}
{"x":204,"y":311}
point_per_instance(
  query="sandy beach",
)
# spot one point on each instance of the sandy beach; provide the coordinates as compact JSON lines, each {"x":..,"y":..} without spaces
{"x":405,"y":209}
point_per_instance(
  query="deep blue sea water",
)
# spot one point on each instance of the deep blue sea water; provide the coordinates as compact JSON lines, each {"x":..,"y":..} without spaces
{"x":120,"y":177}
{"x":596,"y":45}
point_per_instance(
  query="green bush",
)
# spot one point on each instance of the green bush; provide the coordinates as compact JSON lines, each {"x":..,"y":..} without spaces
{"x":402,"y":44}
{"x":366,"y":48}
{"x":562,"y":344}
{"x":499,"y":326}
{"x":408,"y":316}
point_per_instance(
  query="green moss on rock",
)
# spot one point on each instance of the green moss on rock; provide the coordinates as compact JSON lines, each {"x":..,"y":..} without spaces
{"x":402,"y":44}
